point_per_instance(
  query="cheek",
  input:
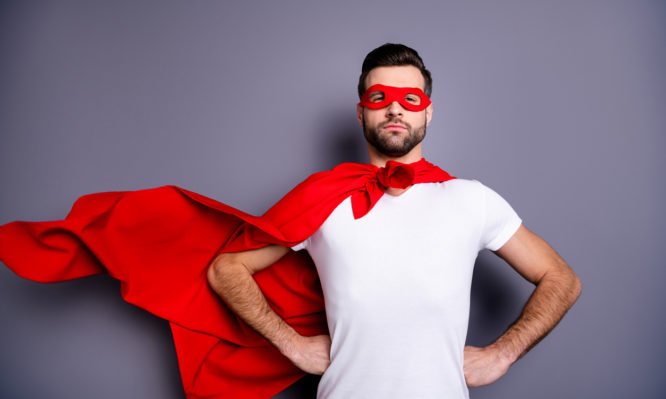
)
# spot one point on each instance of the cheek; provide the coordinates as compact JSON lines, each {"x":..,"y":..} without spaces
{"x":425,"y":118}
{"x":416,"y":119}
{"x":360,"y":114}
{"x":371,"y":116}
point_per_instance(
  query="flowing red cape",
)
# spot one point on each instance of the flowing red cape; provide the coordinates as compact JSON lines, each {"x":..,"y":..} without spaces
{"x":159,"y":243}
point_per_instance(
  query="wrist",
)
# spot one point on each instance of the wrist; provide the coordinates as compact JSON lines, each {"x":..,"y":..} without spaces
{"x":505,"y":352}
{"x":289,"y":343}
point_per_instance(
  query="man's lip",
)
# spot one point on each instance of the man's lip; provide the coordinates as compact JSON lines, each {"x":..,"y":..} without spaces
{"x":394,"y":126}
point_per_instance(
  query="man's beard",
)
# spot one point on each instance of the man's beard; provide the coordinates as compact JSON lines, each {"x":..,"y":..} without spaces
{"x":387,"y":144}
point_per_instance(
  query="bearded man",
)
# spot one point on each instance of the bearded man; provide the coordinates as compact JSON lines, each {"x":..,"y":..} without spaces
{"x":396,"y":276}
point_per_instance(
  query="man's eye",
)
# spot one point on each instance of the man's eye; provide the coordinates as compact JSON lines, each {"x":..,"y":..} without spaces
{"x":377,"y":97}
{"x":413,"y":98}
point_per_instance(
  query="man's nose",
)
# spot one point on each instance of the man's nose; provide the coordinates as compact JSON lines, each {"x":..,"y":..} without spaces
{"x":394,"y":109}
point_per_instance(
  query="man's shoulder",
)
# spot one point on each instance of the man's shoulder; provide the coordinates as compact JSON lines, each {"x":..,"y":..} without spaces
{"x":470,"y":191}
{"x":343,"y":174}
{"x":312,"y":200}
{"x":458,"y":186}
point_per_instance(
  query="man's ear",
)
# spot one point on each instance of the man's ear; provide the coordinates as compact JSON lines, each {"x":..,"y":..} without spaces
{"x":359,"y":114}
{"x":428,"y":114}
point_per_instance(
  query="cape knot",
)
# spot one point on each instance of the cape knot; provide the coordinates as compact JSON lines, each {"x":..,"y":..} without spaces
{"x":396,"y":175}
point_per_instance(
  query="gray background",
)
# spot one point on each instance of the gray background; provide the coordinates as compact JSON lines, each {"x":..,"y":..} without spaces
{"x":557,"y":105}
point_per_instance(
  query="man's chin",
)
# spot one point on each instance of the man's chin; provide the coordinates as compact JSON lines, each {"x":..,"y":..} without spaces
{"x":391,"y":151}
{"x":392,"y":143}
{"x":395,"y":133}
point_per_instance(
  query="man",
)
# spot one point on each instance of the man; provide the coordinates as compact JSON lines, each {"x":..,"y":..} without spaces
{"x":396,"y":281}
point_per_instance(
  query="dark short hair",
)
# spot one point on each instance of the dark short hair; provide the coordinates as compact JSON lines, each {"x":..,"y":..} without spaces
{"x":391,"y":54}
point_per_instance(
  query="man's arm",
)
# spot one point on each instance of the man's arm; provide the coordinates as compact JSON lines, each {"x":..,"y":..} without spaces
{"x":557,"y":288}
{"x":230,"y":275}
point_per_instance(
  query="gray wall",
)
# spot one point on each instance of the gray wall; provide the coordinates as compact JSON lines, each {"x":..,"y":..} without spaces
{"x":557,"y":105}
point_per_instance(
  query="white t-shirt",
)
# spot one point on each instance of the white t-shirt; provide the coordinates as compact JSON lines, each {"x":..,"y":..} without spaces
{"x":397,"y":284}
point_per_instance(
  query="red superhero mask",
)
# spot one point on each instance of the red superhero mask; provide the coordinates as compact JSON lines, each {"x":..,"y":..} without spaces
{"x":380,"y":96}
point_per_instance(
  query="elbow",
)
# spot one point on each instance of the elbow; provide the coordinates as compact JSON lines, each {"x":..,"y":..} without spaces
{"x":218,"y":268}
{"x":214,"y":271}
{"x":571,"y":283}
{"x":576,"y":287}
{"x":569,"y":286}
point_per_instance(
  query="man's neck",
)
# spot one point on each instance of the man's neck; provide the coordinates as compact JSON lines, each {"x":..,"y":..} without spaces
{"x":378,"y":159}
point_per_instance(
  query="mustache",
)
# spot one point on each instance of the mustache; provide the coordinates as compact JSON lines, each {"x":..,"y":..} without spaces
{"x":395,"y":121}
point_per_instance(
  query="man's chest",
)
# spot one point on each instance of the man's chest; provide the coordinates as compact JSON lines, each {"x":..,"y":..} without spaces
{"x":424,"y":241}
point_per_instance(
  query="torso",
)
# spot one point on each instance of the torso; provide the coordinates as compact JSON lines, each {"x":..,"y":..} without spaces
{"x":396,"y":286}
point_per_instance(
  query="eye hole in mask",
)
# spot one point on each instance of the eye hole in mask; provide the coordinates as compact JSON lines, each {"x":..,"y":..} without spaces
{"x":380,"y":96}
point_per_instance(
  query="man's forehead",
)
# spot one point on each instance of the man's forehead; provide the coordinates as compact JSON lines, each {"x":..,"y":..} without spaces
{"x":396,"y":76}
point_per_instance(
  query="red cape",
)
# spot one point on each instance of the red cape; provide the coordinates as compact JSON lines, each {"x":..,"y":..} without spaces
{"x":159,"y":243}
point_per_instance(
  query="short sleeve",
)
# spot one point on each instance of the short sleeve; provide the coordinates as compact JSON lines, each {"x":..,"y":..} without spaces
{"x":302,"y":245}
{"x":500,"y":221}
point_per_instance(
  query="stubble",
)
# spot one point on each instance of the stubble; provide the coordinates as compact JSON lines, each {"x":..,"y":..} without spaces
{"x":394,"y":143}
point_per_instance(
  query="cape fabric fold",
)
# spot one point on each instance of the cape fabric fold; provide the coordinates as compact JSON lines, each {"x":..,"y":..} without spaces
{"x":159,"y":243}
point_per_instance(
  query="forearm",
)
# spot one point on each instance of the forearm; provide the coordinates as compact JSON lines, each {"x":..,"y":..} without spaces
{"x":557,"y":288}
{"x":554,"y":294}
{"x":234,"y":283}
